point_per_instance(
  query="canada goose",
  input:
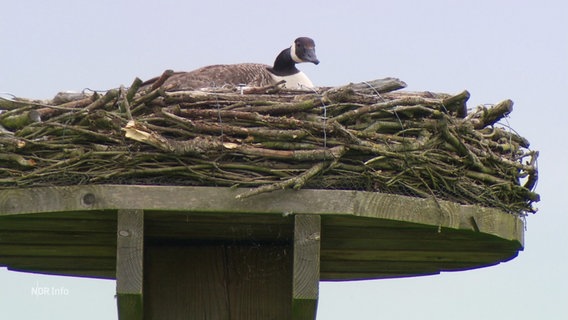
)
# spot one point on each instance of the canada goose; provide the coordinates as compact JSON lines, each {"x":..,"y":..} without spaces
{"x":251,"y":74}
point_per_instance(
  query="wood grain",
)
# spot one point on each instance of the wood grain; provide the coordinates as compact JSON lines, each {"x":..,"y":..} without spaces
{"x":129,"y":263}
{"x":218,"y":281}
{"x":307,"y":237}
{"x":46,"y":229}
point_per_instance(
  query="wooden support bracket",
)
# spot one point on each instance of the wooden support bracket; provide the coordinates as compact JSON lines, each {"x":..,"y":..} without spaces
{"x":306,"y":269}
{"x":129,"y":264}
{"x":199,"y":253}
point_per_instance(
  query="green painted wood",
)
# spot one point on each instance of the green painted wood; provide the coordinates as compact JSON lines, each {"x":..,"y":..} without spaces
{"x":130,"y":306}
{"x":306,"y":276}
{"x":362,"y":233}
{"x":48,"y":250}
{"x":129,"y":264}
{"x":218,"y":281}
{"x":212,"y":199}
{"x":25,"y":236}
{"x":24,"y":223}
{"x":210,"y":255}
{"x":72,"y":272}
{"x":260,"y":281}
{"x":61,"y":263}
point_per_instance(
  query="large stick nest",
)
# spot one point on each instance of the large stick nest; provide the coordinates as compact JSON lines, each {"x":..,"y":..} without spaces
{"x":357,"y":137}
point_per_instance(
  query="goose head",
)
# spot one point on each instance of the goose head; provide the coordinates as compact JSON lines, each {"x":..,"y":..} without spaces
{"x":304,"y":50}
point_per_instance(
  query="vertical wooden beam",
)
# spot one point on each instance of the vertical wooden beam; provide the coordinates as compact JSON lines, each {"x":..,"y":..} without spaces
{"x":218,"y":281}
{"x":185,"y":282}
{"x":259,"y":281}
{"x":305,"y":287}
{"x":129,"y":264}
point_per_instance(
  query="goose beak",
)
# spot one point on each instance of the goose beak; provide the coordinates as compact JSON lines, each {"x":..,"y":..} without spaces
{"x":310,"y":56}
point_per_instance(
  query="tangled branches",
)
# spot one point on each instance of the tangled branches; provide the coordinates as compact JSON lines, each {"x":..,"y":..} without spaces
{"x":360,"y":137}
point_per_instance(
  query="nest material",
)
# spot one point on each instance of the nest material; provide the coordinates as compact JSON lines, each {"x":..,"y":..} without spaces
{"x":357,"y":137}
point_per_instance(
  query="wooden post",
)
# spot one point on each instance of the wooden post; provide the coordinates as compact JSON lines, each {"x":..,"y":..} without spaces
{"x":306,"y":270}
{"x":217,"y":281}
{"x":129,"y":264}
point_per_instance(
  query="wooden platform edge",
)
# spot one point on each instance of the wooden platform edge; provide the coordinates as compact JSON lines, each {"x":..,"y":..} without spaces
{"x":433,"y":212}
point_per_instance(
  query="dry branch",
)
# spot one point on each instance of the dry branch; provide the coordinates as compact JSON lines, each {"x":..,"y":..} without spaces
{"x":489,"y":116}
{"x":359,"y":136}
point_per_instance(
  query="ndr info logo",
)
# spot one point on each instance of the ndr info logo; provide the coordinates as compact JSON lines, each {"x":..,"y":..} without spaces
{"x":43,"y":291}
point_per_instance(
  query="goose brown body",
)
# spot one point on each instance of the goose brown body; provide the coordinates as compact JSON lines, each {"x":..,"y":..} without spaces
{"x":250,"y":74}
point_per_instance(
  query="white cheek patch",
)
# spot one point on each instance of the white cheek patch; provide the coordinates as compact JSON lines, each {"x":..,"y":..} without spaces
{"x":294,"y":55}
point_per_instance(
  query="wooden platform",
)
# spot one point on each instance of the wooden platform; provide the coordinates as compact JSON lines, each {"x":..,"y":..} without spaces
{"x":306,"y":235}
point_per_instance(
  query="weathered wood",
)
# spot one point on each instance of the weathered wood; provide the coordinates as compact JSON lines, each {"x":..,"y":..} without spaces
{"x":57,"y":250}
{"x":357,"y":226}
{"x":489,"y":116}
{"x":216,"y":227}
{"x":297,"y":181}
{"x":260,"y":281}
{"x":352,"y":92}
{"x":378,"y":86}
{"x":217,"y":281}
{"x":8,"y":104}
{"x":129,"y":263}
{"x":208,"y":137}
{"x":20,"y":120}
{"x":94,"y":266}
{"x":407,"y":256}
{"x":156,"y":82}
{"x":213,"y":199}
{"x":182,"y":282}
{"x":306,"y":276}
{"x":19,"y":160}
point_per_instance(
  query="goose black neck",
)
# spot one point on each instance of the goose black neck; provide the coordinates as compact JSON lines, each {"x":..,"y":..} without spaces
{"x":284,"y":65}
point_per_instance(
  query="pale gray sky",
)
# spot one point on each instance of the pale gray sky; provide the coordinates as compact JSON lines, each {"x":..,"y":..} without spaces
{"x":495,"y":49}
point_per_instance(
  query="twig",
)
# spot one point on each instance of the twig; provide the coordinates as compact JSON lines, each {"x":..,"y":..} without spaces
{"x":296,"y":181}
{"x":411,"y":143}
